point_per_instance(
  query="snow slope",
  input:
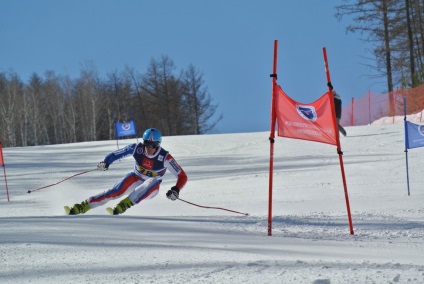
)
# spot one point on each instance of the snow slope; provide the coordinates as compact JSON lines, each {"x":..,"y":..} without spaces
{"x":160,"y":241}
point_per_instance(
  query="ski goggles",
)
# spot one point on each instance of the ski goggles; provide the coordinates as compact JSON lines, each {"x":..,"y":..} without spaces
{"x":151,"y":144}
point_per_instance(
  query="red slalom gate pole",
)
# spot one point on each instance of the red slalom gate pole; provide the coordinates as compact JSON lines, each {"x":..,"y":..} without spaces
{"x":4,"y":170}
{"x":5,"y":180}
{"x":339,"y":149}
{"x":271,"y":138}
{"x":29,"y":191}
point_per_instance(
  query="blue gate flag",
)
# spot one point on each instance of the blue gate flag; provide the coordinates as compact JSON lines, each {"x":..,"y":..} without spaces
{"x":414,"y":135}
{"x":125,"y":128}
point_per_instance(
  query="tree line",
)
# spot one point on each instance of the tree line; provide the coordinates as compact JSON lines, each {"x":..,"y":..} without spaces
{"x":57,"y":109}
{"x":396,"y":30}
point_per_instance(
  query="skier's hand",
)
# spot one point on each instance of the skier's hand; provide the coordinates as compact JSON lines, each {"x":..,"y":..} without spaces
{"x":102,"y":166}
{"x":330,"y":85}
{"x":173,"y":193}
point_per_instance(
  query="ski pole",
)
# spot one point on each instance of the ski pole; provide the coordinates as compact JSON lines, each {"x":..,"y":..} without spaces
{"x":208,"y":207}
{"x":29,"y":191}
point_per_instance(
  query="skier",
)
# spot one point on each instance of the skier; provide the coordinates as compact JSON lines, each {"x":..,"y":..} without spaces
{"x":338,"y":107}
{"x":151,"y":163}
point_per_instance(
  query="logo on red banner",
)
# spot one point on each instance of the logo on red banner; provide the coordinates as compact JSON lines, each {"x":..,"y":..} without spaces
{"x":307,"y":112}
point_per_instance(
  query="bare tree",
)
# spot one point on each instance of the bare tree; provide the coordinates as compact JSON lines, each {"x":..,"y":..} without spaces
{"x":117,"y":100}
{"x":199,"y":107}
{"x":89,"y":104}
{"x":70,"y":115}
{"x":410,"y":42}
{"x":398,"y":54}
{"x":10,"y":90}
{"x":373,"y":19}
{"x":163,"y":94}
{"x":416,"y":9}
{"x":54,"y":107}
{"x":137,"y":101}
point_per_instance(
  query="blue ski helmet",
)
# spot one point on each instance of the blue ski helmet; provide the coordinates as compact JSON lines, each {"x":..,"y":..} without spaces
{"x":152,"y":135}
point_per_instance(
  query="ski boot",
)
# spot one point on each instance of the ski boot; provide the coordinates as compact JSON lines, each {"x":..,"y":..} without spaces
{"x":121,"y":207}
{"x":78,"y":208}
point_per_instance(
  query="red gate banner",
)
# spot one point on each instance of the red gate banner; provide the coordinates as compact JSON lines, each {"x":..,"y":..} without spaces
{"x":313,"y":122}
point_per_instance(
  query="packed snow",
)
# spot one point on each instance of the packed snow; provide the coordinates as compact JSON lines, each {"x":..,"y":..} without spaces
{"x":163,"y":241}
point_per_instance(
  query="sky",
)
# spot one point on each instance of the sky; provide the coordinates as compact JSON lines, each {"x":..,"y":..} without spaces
{"x":231,"y":42}
{"x":163,"y":241}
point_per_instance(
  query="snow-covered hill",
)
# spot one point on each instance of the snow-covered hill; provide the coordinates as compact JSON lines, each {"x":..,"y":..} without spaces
{"x":160,"y":241}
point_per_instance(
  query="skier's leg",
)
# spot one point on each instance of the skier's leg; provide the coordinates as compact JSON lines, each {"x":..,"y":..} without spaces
{"x":125,"y":185}
{"x":148,"y":189}
{"x":342,"y":130}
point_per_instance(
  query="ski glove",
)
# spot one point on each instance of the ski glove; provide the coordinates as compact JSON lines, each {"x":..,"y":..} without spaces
{"x":330,"y":85}
{"x":173,"y":193}
{"x":102,"y":166}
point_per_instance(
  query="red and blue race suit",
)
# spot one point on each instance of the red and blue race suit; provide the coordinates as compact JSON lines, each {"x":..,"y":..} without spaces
{"x":144,"y":181}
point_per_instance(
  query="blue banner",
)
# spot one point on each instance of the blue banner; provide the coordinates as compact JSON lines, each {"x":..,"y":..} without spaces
{"x":414,"y":135}
{"x":125,"y":129}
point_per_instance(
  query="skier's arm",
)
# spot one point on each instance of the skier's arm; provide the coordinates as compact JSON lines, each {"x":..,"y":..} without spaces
{"x":172,"y":165}
{"x":119,"y":154}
